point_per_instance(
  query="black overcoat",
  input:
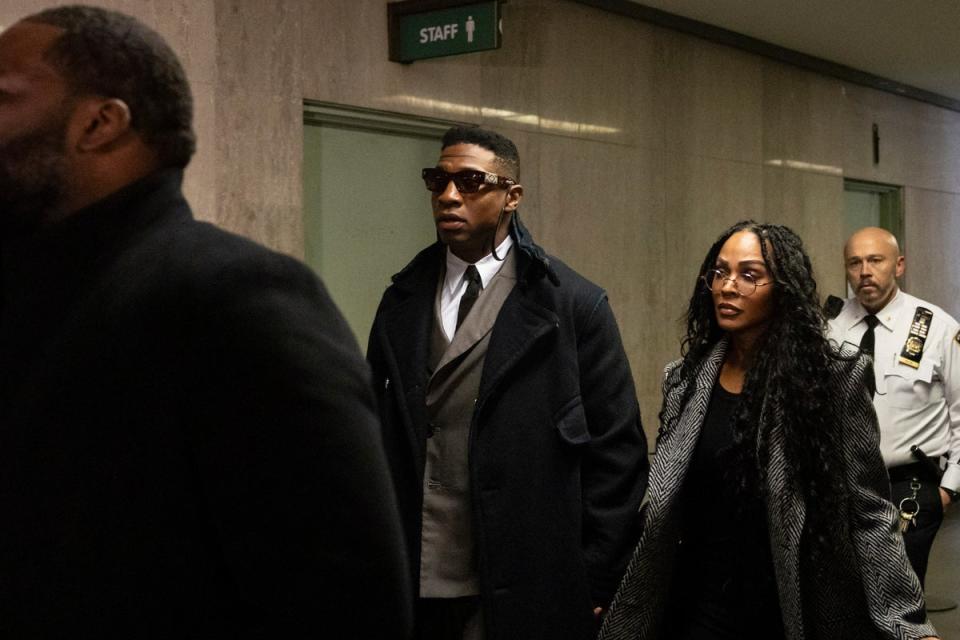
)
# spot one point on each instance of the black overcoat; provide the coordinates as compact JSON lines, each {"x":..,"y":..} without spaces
{"x":557,"y":456}
{"x":188,"y":440}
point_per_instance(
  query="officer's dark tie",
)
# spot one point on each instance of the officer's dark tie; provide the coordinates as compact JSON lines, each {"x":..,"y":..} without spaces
{"x":867,"y":344}
{"x":474,"y":285}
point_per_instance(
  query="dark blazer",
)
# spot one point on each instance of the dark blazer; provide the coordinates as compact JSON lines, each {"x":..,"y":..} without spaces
{"x":864,"y":590}
{"x":557,"y":456}
{"x":188,"y":442}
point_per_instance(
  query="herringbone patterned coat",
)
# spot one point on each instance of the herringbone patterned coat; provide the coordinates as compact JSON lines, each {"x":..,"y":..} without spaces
{"x":865,"y":590}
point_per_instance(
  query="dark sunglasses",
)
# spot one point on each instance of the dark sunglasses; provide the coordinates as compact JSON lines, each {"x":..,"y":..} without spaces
{"x":466,"y":181}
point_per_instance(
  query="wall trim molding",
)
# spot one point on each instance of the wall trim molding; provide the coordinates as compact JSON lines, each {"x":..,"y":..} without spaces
{"x":319,"y":113}
{"x":770,"y":50}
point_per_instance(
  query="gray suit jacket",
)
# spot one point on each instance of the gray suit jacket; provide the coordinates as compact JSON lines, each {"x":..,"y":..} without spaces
{"x":448,"y":559}
{"x":865,"y":589}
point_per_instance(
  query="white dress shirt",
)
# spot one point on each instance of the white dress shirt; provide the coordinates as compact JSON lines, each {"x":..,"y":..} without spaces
{"x":455,"y":285}
{"x":915,"y":406}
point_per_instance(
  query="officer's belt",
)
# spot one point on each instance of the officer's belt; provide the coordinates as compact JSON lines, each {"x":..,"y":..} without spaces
{"x":906,"y":472}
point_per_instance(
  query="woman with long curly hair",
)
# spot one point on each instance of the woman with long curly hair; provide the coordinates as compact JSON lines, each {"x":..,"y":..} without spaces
{"x":769,"y":512}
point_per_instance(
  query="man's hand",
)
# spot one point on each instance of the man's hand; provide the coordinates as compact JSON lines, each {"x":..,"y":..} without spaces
{"x":944,"y":499}
{"x":597,"y":611}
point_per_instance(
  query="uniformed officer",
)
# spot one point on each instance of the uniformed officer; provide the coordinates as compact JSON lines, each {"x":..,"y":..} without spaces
{"x":916,"y":354}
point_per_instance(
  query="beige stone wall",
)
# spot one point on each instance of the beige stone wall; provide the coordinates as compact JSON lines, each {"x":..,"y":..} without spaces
{"x":639,"y":144}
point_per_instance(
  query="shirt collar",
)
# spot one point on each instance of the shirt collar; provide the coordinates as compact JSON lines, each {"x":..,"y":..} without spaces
{"x":887,"y":316}
{"x":487,"y":266}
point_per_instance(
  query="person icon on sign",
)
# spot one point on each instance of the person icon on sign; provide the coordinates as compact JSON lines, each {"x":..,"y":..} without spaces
{"x":471,"y":26}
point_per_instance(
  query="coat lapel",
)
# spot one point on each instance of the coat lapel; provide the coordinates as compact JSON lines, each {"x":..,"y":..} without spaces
{"x":786,"y":517}
{"x":520,"y":324}
{"x":406,"y":337}
{"x":484,"y":313}
{"x":639,"y":602}
{"x":671,"y":460}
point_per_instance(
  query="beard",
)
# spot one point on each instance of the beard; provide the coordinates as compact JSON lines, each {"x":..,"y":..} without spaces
{"x":33,"y":176}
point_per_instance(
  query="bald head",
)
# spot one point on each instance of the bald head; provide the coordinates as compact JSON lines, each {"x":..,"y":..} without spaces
{"x":873,"y":236}
{"x":873,"y":263}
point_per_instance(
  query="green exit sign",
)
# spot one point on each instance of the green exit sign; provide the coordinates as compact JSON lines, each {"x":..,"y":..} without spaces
{"x":433,"y":28}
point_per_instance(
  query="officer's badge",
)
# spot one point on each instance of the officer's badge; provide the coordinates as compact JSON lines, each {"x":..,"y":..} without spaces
{"x":913,"y":347}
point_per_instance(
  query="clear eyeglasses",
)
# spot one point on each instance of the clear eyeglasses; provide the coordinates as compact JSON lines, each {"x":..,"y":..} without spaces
{"x":744,"y":283}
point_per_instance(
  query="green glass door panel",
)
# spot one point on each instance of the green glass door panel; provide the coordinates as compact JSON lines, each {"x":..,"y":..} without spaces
{"x":366,"y":212}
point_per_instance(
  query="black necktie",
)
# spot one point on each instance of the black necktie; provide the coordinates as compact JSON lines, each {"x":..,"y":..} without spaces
{"x":867,"y":344}
{"x":474,"y":285}
{"x":869,"y":339}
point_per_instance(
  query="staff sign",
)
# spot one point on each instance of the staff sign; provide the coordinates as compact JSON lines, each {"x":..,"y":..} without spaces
{"x":422,"y":29}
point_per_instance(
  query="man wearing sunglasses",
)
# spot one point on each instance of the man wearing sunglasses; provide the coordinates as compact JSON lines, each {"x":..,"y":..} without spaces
{"x":509,"y":416}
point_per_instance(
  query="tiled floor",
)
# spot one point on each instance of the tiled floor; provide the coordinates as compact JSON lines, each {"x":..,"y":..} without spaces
{"x":943,"y":577}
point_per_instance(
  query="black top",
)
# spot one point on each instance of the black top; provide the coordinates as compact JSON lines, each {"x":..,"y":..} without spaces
{"x":724,"y":577}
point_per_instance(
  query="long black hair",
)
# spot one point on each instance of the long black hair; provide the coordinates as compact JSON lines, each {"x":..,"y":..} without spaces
{"x":789,"y":374}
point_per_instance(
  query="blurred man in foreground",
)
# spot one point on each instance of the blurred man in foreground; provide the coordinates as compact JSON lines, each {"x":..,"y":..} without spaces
{"x":188,"y":443}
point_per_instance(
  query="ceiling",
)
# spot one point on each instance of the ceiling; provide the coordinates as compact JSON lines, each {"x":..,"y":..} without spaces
{"x":915,"y":43}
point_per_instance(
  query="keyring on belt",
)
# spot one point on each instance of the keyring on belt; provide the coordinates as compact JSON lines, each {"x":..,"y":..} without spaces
{"x":909,"y":512}
{"x":915,"y":487}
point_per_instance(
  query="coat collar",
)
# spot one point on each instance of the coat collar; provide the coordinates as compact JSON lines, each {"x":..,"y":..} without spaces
{"x":522,"y":321}
{"x":532,"y":261}
{"x":53,"y":263}
{"x":102,"y":228}
{"x":675,"y":449}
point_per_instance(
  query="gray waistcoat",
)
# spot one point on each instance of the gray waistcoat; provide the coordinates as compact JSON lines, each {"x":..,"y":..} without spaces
{"x":447,"y":554}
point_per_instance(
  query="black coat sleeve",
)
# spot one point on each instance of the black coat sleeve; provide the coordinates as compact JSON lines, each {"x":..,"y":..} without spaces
{"x":291,"y":459}
{"x":615,"y":467}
